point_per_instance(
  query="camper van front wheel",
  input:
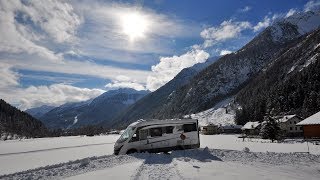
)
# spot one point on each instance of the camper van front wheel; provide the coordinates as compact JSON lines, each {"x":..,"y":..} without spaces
{"x":131,"y":151}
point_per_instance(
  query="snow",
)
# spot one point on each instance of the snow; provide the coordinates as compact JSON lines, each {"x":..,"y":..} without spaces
{"x":75,"y":120}
{"x":110,"y":173}
{"x":216,"y":115}
{"x":73,"y":158}
{"x":284,"y":119}
{"x":256,"y":145}
{"x":26,"y":154}
{"x":314,"y":119}
{"x":251,"y":125}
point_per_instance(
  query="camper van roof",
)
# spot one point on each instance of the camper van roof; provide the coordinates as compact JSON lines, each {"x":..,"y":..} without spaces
{"x":143,"y":122}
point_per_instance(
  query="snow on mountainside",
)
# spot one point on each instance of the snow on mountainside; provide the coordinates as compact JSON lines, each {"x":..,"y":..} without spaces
{"x":93,"y":111}
{"x":37,"y":112}
{"x":230,"y":73}
{"x":288,"y":85}
{"x":296,"y":25}
{"x":223,"y":113}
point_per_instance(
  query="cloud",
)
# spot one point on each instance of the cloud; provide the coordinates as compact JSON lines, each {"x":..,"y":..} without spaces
{"x":312,"y":6}
{"x":245,"y":9}
{"x":87,"y":68}
{"x":57,"y":19}
{"x":226,"y":30}
{"x":55,"y":95}
{"x":169,"y":67}
{"x":290,"y":12}
{"x":8,"y":77}
{"x":23,"y":24}
{"x":262,"y":24}
{"x":125,"y":82}
{"x":224,"y":52}
{"x":102,"y":31}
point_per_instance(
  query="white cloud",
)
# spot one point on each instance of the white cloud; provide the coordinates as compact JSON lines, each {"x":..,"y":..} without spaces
{"x":262,"y":24}
{"x":8,"y":77}
{"x":55,"y":95}
{"x":224,"y":52}
{"x":24,"y":23}
{"x":227,"y":30}
{"x":56,"y":18}
{"x":125,"y":84}
{"x":245,"y":9}
{"x":78,"y":67}
{"x":169,"y":67}
{"x":102,"y":31}
{"x":290,"y":12}
{"x":312,"y":5}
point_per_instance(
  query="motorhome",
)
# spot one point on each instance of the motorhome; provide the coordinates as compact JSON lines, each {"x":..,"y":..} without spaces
{"x":158,"y":136}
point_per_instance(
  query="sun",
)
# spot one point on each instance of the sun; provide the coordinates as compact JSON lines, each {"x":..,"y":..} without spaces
{"x":134,"y":25}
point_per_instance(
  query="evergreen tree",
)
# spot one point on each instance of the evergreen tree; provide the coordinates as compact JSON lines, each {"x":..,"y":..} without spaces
{"x":270,"y":129}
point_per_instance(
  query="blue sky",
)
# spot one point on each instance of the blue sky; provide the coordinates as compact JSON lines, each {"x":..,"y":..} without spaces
{"x":53,"y":52}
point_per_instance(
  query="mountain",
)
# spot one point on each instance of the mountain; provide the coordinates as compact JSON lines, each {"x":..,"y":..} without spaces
{"x":91,"y":112}
{"x":154,"y":101}
{"x":229,"y":74}
{"x":289,"y":85}
{"x":37,"y":112}
{"x":14,"y":121}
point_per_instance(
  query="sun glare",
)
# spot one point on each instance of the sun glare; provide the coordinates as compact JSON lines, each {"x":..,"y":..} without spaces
{"x":134,"y":25}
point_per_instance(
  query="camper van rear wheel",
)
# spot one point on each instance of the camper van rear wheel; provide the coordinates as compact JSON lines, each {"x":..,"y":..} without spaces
{"x":131,"y":151}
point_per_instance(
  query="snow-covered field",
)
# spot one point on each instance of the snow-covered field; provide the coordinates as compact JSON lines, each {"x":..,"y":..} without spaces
{"x":73,"y":158}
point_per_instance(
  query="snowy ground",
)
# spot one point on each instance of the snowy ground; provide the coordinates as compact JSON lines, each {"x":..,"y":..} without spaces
{"x":223,"y":160}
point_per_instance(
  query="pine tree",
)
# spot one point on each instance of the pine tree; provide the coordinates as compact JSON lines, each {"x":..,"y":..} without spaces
{"x":270,"y":129}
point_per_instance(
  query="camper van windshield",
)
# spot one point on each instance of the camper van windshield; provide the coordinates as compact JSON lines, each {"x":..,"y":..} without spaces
{"x":126,"y":134}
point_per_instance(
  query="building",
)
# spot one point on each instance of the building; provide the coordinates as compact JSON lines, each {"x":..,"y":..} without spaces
{"x":209,"y":129}
{"x":251,"y":128}
{"x":311,"y":126}
{"x":230,"y":129}
{"x":288,"y":125}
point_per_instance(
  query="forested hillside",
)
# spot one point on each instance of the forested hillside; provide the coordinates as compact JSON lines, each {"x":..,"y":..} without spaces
{"x":290,"y":85}
{"x":14,"y":121}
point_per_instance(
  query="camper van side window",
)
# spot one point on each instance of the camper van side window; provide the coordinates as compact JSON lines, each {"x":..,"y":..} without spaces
{"x":156,"y":132}
{"x":143,"y":134}
{"x":169,"y":129}
{"x":190,"y":127}
{"x":179,"y":128}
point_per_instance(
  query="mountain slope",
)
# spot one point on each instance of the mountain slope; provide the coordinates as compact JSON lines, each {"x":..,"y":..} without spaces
{"x":149,"y":104}
{"x":14,"y":121}
{"x":230,"y":73}
{"x":91,"y":112}
{"x":39,"y":111}
{"x":289,"y":85}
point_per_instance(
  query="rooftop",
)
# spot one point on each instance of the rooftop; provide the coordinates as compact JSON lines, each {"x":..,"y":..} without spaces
{"x":312,"y":120}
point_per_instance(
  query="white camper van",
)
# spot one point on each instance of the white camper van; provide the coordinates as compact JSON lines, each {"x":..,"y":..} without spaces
{"x":158,"y":136}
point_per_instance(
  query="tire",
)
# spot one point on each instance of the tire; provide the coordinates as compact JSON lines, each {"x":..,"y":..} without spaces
{"x":131,"y":151}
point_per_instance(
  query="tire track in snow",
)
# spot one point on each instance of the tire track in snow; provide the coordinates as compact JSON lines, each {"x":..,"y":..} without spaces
{"x":157,"y":166}
{"x":52,"y":149}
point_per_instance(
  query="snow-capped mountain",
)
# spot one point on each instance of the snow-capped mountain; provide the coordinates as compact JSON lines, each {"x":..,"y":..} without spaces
{"x":93,"y":111}
{"x":229,"y":74}
{"x":37,"y":112}
{"x":295,"y":25}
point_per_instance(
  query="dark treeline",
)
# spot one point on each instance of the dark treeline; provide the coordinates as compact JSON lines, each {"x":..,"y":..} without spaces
{"x":90,"y":130}
{"x":14,"y":121}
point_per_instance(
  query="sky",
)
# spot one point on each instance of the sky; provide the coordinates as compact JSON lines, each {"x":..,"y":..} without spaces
{"x":53,"y":52}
